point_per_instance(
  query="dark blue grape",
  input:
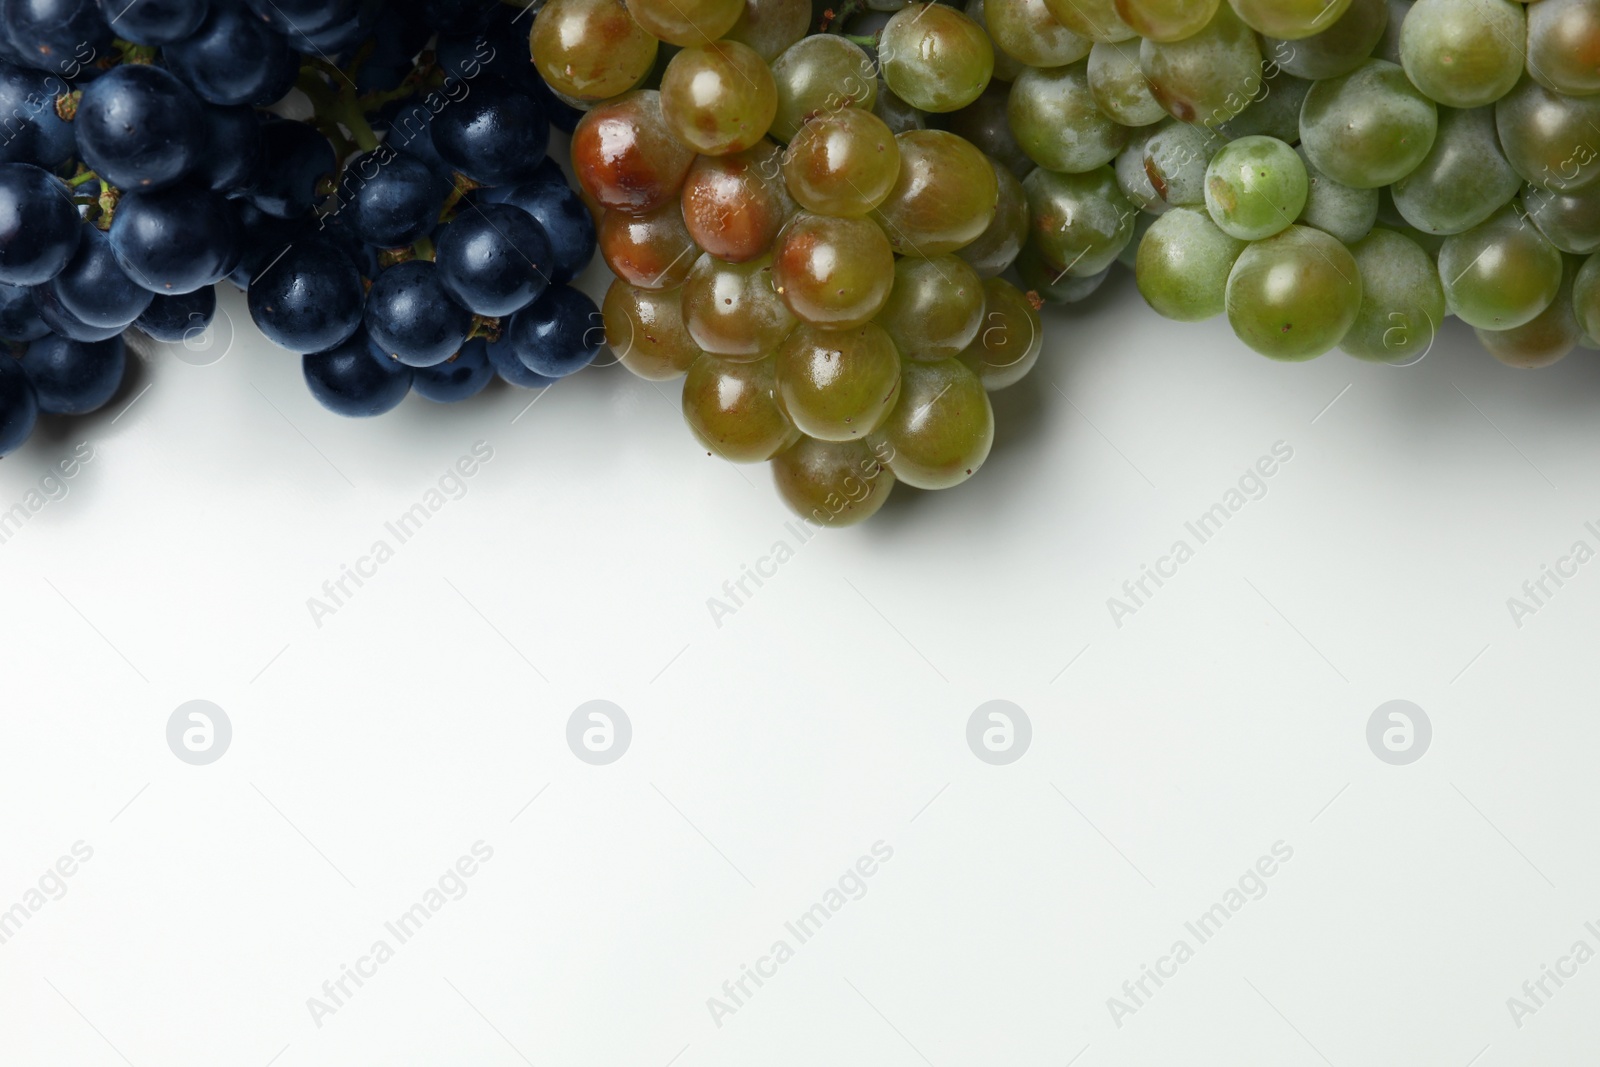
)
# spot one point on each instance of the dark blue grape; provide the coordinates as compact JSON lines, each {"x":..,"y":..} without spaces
{"x":234,"y":58}
{"x":95,"y":288}
{"x":60,"y":36}
{"x":392,"y":198}
{"x":140,"y":128}
{"x":307,"y":16}
{"x":565,"y":219}
{"x":495,"y":259}
{"x":557,"y":334}
{"x":495,"y":136}
{"x":154,"y":22}
{"x":411,"y":316}
{"x":457,"y":379}
{"x":396,"y":40}
{"x":411,"y":131}
{"x":74,"y":377}
{"x":174,"y":318}
{"x":19,"y":407}
{"x":298,"y":160}
{"x":262,"y":239}
{"x":233,"y":151}
{"x":19,"y":317}
{"x":310,"y":299}
{"x":176,"y":240}
{"x":64,"y":322}
{"x":341,"y":36}
{"x":511,"y":369}
{"x":39,"y":225}
{"x":30,"y":129}
{"x":349,"y":380}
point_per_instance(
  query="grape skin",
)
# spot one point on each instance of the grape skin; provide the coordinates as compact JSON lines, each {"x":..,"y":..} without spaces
{"x":1340,"y":48}
{"x":1463,"y":180}
{"x":834,"y":484}
{"x":626,"y":158}
{"x":735,"y":205}
{"x":1183,"y":265}
{"x":1501,"y":273}
{"x":1118,"y":85}
{"x":1209,"y":77}
{"x":1095,"y":19}
{"x":942,"y":428}
{"x":1548,"y":337}
{"x":831,"y":272}
{"x":564,"y":41}
{"x":1402,"y":302}
{"x":844,"y":163}
{"x":934,"y":57}
{"x":1028,"y":32}
{"x":1294,"y":296}
{"x":1055,"y":120}
{"x":733,"y":310}
{"x":733,"y":409}
{"x":1290,"y":20}
{"x":645,"y":330}
{"x":1012,"y":335}
{"x":838,"y":385}
{"x":997,"y":247}
{"x":1464,"y":53}
{"x":1564,"y":45}
{"x":944,"y":197}
{"x":1080,"y":221}
{"x":1586,"y":297}
{"x":1335,"y":208}
{"x":819,"y":74}
{"x":719,"y":98}
{"x":1255,"y":187}
{"x":1550,"y":138}
{"x":935,"y":308}
{"x":1368,"y":128}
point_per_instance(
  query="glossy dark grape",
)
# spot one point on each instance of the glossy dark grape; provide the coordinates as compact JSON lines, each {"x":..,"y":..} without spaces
{"x":301,"y":158}
{"x":463,"y":375}
{"x":393,"y":198}
{"x":64,"y":322}
{"x":496,"y":136}
{"x":19,"y":317}
{"x":412,"y":317}
{"x":309,"y":300}
{"x":39,"y":227}
{"x":557,"y":334}
{"x":74,"y":377}
{"x":307,"y":16}
{"x":566,"y":222}
{"x":19,"y":408}
{"x":350,"y":380}
{"x":156,"y":22}
{"x":512,"y":370}
{"x":95,"y":288}
{"x":234,"y":58}
{"x":139,"y":127}
{"x":177,"y":318}
{"x":233,"y":150}
{"x":175,"y":240}
{"x":494,"y":259}
{"x":30,"y":129}
{"x":59,"y":36}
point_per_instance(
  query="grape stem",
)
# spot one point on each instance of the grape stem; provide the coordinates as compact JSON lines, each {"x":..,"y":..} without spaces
{"x":342,"y":107}
{"x":82,"y":179}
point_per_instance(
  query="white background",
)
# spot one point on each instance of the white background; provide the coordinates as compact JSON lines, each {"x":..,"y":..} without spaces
{"x":828,"y":713}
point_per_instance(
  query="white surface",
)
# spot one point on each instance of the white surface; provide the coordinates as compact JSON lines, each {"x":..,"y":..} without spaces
{"x":827,"y":714}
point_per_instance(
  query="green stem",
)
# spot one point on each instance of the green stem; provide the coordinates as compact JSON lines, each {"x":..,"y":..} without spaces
{"x":83,"y":179}
{"x":423,"y":248}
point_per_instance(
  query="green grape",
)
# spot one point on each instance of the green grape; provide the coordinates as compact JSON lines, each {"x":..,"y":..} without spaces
{"x":1183,"y":265}
{"x":1166,"y":20}
{"x":1388,"y":46}
{"x":1118,"y":85}
{"x":644,"y":328}
{"x":590,"y":49}
{"x":733,"y":310}
{"x":770,"y":26}
{"x":719,"y":98}
{"x":735,"y":205}
{"x":935,"y":308}
{"x":819,"y":74}
{"x":1586,"y":297}
{"x":944,"y":198}
{"x":830,"y":483}
{"x":1129,"y":256}
{"x":1208,"y":78}
{"x":1564,"y":46}
{"x":651,"y":251}
{"x":1055,"y":120}
{"x":934,"y":57}
{"x":1175,"y":160}
{"x":1026,"y":31}
{"x":1132,"y":177}
{"x":1080,"y":221}
{"x":1464,"y":179}
{"x":684,"y":22}
{"x":842,"y":163}
{"x":1050,"y":281}
{"x":1335,"y":208}
{"x":1402,"y":302}
{"x":1275,"y":112}
{"x":1295,"y":295}
{"x":1006,"y":68}
{"x":734,"y":411}
{"x":1368,"y":128}
{"x":1552,"y":334}
{"x":1008,"y":346}
{"x":1339,"y":49}
{"x":1570,"y":221}
{"x":1290,"y":20}
{"x":941,"y":430}
{"x":831,"y":272}
{"x":838,"y":385}
{"x":624,"y":156}
{"x":1255,"y":187}
{"x":896,"y":114}
{"x":1499,"y":274}
{"x":1464,"y":53}
{"x":1552,"y":140}
{"x":1095,"y":19}
{"x":987,"y":125}
{"x":997,"y":247}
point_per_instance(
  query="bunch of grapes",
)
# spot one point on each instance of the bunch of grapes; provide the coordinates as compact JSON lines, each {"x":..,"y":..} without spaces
{"x":1328,"y":173}
{"x":801,"y":233}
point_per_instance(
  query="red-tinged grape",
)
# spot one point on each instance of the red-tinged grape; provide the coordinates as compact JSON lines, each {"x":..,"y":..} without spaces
{"x":1080,"y":221}
{"x":1026,"y":31}
{"x":645,"y":330}
{"x":838,"y":385}
{"x":734,"y":411}
{"x":832,"y":484}
{"x":1119,"y":87}
{"x":652,"y":251}
{"x":735,"y":205}
{"x":831,"y":272}
{"x":1166,"y":20}
{"x":1368,"y":128}
{"x":1548,"y":337}
{"x":1209,"y":77}
{"x":1290,"y":20}
{"x":842,"y":163}
{"x":1095,"y":19}
{"x":590,"y":49}
{"x":733,"y":310}
{"x":944,"y":197}
{"x":1056,"y":121}
{"x":819,"y":74}
{"x":935,"y":308}
{"x":1295,"y":295}
{"x":997,"y":247}
{"x":1402,"y":302}
{"x":934,"y":57}
{"x":1499,"y":274}
{"x":1012,"y":336}
{"x":1553,"y":140}
{"x":1340,"y":48}
{"x":626,"y":158}
{"x":1183,"y":265}
{"x":1464,"y":178}
{"x":719,"y":98}
{"x":770,"y":26}
{"x":1564,"y":45}
{"x":942,"y":428}
{"x":685,"y":22}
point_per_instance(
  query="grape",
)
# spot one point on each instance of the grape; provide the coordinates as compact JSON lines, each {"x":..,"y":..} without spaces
{"x":942,"y":428}
{"x":1051,"y":282}
{"x":719,"y":98}
{"x":19,"y":407}
{"x":1290,"y":20}
{"x":509,"y":368}
{"x":1006,"y":66}
{"x":733,"y":409}
{"x":395,"y":200}
{"x":986,"y":123}
{"x":626,"y":158}
{"x":1134,"y":180}
{"x":1464,"y":179}
{"x":64,"y":322}
{"x":39,"y":227}
{"x":1207,"y":78}
{"x":74,"y":377}
{"x":1340,"y":48}
{"x":830,"y":483}
{"x":733,"y":310}
{"x":686,"y":22}
{"x":944,"y":197}
{"x":1295,"y":295}
{"x":567,"y":225}
{"x":735,"y":205}
{"x":1564,"y":46}
{"x":95,"y":288}
{"x":1464,"y":53}
{"x":935,"y":308}
{"x":653,"y":251}
{"x":558,"y":334}
{"x":1499,"y":274}
{"x":177,"y":318}
{"x":1118,"y":85}
{"x":838,"y":385}
{"x":1080,"y":221}
{"x":494,"y":259}
{"x":34,"y":132}
{"x":234,"y":58}
{"x":1335,"y":208}
{"x":770,"y":26}
{"x":1552,"y":334}
{"x":310,"y":299}
{"x":304,"y":16}
{"x":834,"y":273}
{"x":1175,"y":160}
{"x":1368,"y":128}
{"x":1166,"y":20}
{"x":1055,"y":120}
{"x":54,"y":34}
{"x":302,"y":159}
{"x":645,"y":329}
{"x":591,"y":49}
{"x":819,"y":74}
{"x":997,"y":247}
{"x":898,"y":115}
{"x":934,"y":57}
{"x":1570,"y":221}
{"x":1275,"y":111}
{"x":461,"y":377}
{"x":350,"y":380}
{"x":1028,"y":32}
{"x":1095,"y":19}
{"x":842,"y":163}
{"x":139,"y":127}
{"x":1010,"y":340}
{"x":410,"y":316}
{"x":1183,"y":265}
{"x":1255,"y":187}
{"x":19,"y":317}
{"x":1402,"y":302}
{"x":158,"y":22}
{"x":1586,"y":297}
{"x":1552,"y":140}
{"x":495,"y":136}
{"x":174,"y":240}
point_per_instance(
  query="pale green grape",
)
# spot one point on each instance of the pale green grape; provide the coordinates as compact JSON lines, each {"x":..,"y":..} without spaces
{"x":1129,"y":256}
{"x":1175,"y":160}
{"x":1026,"y":31}
{"x":733,"y":310}
{"x":842,"y":163}
{"x":1570,"y":221}
{"x":944,"y":197}
{"x":1006,"y":67}
{"x":1290,"y":20}
{"x":1552,"y":334}
{"x":770,"y":26}
{"x":719,"y":98}
{"x":838,"y":385}
{"x":1464,"y":179}
{"x":934,"y":57}
{"x":1051,"y":282}
{"x":1402,"y":302}
{"x":1276,"y":111}
{"x":1564,"y":45}
{"x":1056,"y":121}
{"x":986,"y":124}
{"x":1551,"y":139}
{"x":1335,"y":208}
{"x":1464,"y":53}
{"x":590,"y":49}
{"x":1368,"y":128}
{"x":1094,"y":19}
{"x":1118,"y":85}
{"x":1340,"y":48}
{"x":1008,"y":345}
{"x":684,"y":22}
{"x":832,"y":272}
{"x":1255,"y":187}
{"x":1132,"y":177}
{"x":734,"y":410}
{"x":1080,"y":221}
{"x":1295,"y":295}
{"x":997,"y":247}
{"x":1183,"y":265}
{"x":1166,"y":20}
{"x":1207,"y":78}
{"x":1499,"y":274}
{"x":832,"y":484}
{"x":644,"y":328}
{"x":819,"y":74}
{"x":942,"y":428}
{"x":1586,"y":297}
{"x":935,"y":308}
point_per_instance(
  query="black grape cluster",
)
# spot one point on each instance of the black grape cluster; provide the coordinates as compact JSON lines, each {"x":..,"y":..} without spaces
{"x":409,"y":233}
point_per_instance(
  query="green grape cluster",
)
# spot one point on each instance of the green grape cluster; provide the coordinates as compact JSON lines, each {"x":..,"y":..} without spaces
{"x":809,"y":228}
